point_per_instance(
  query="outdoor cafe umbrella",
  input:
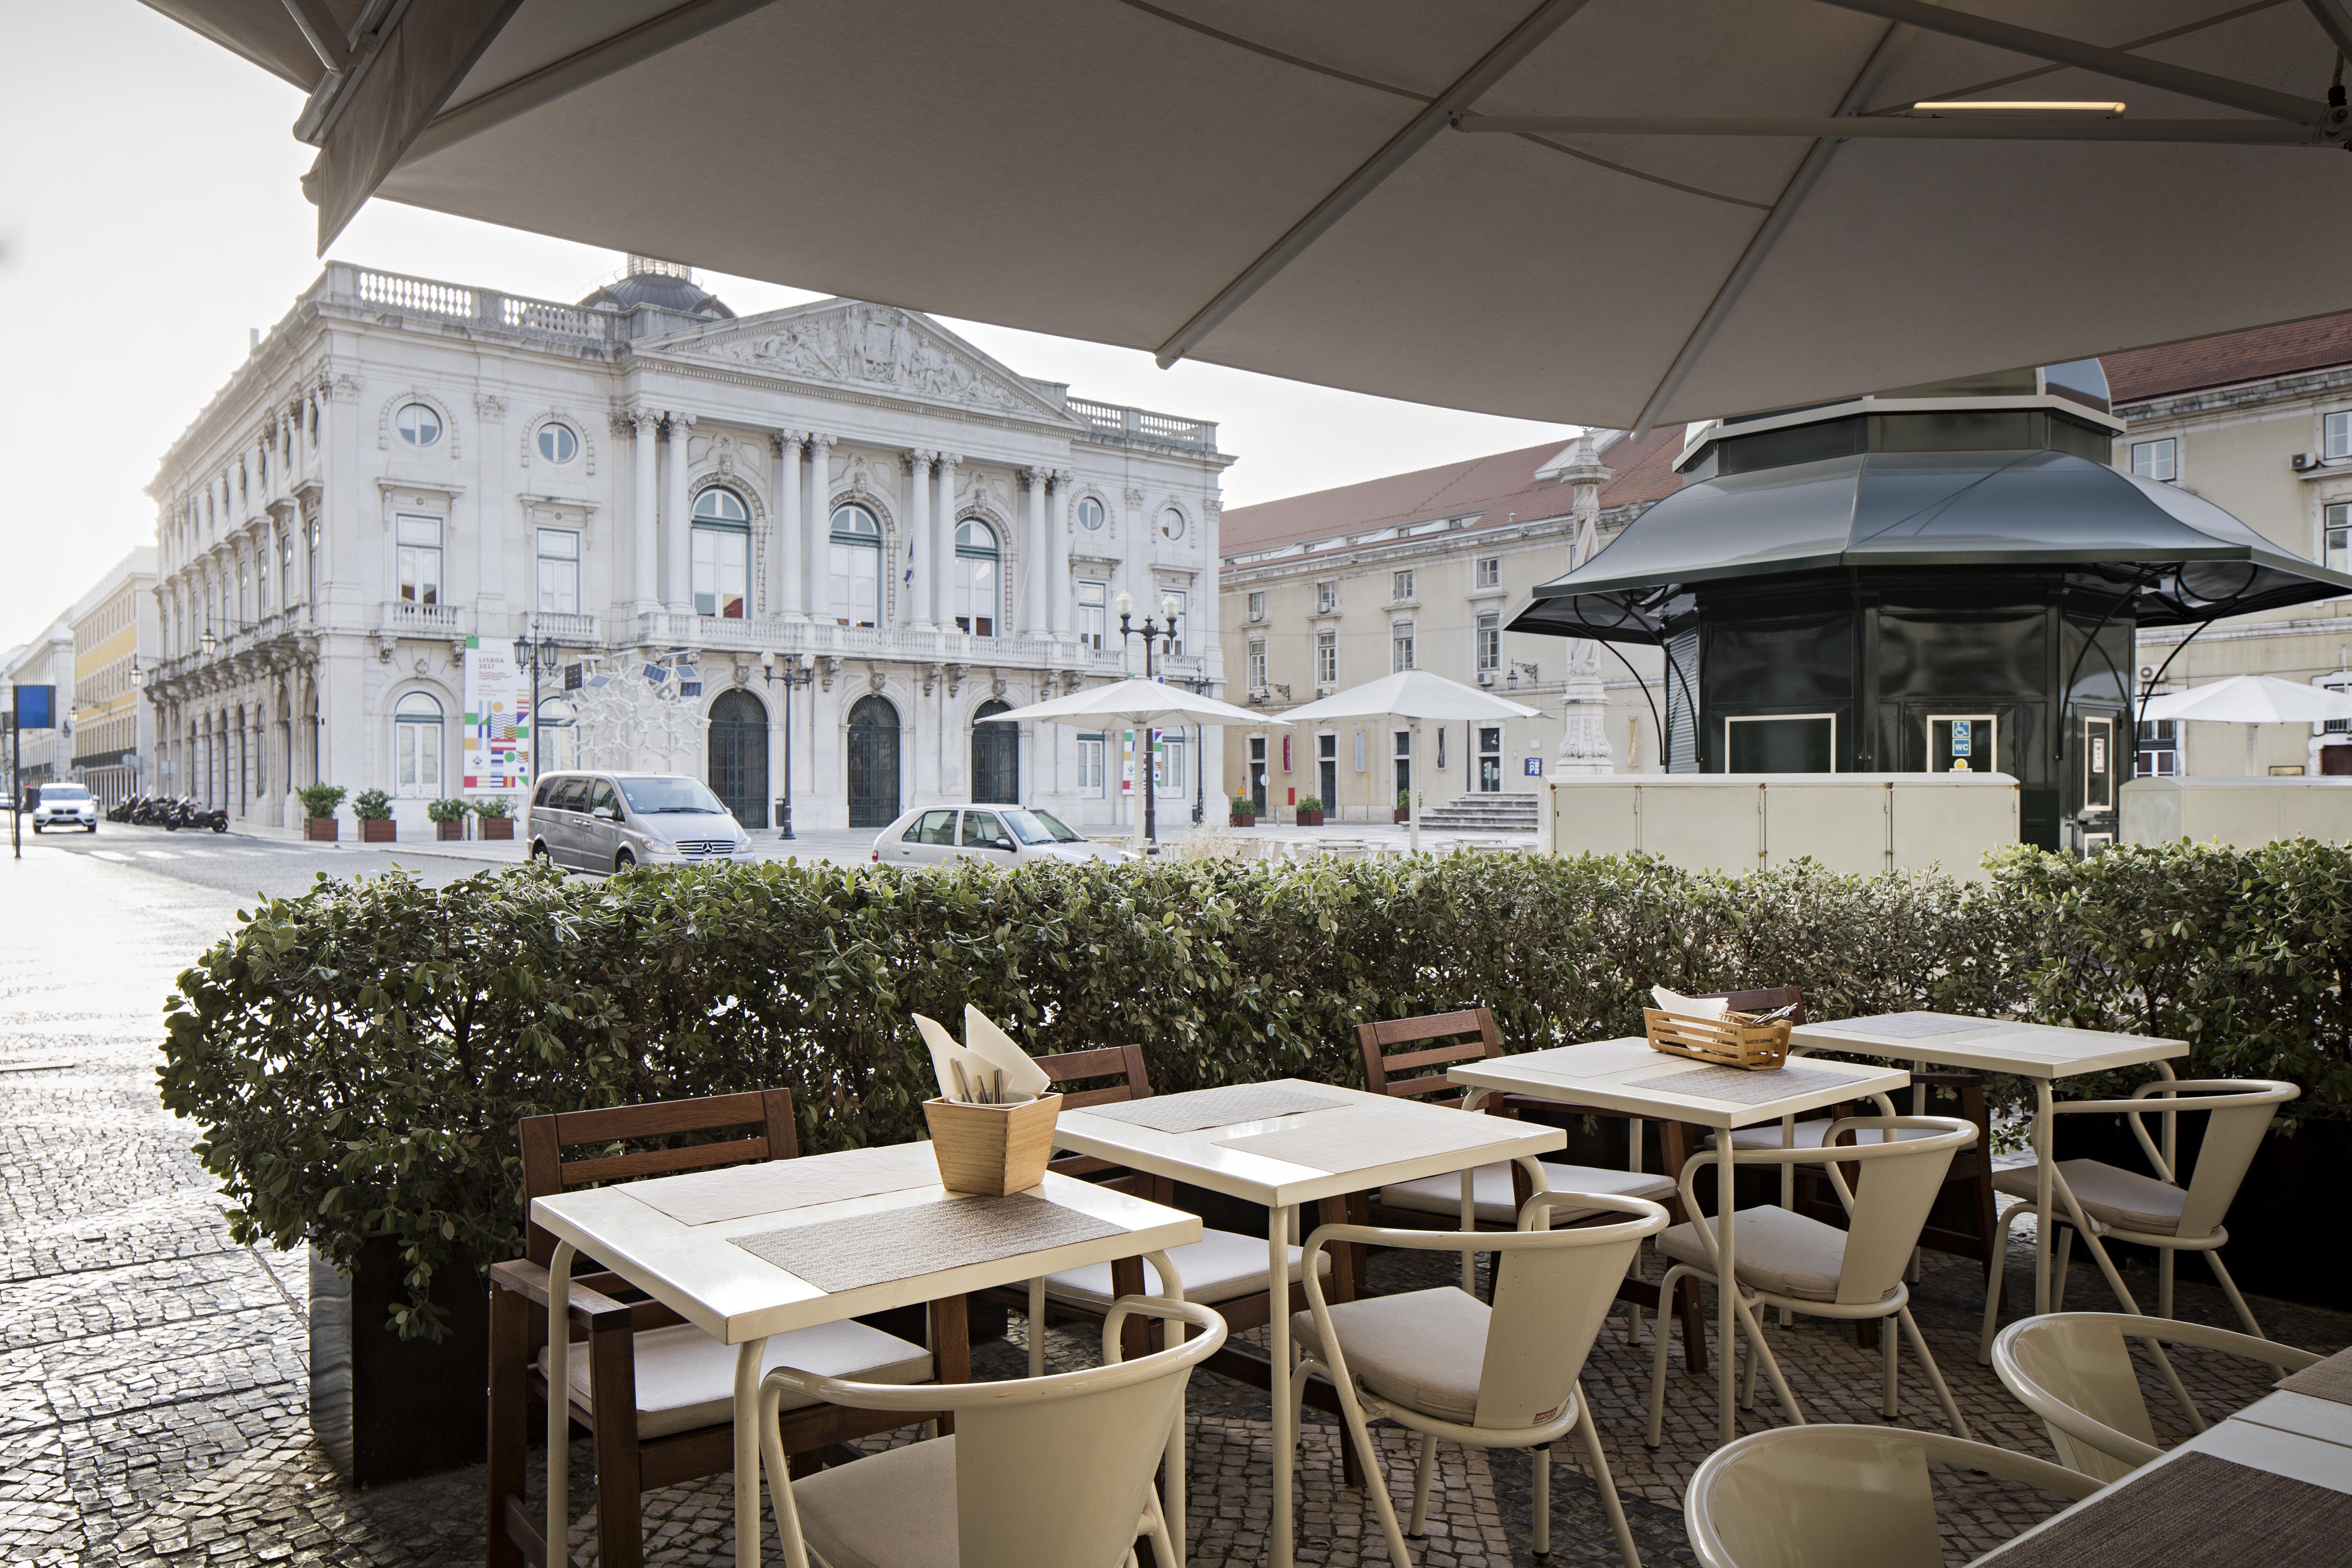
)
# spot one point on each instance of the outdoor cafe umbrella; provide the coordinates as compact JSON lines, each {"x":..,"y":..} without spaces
{"x":2253,"y":700}
{"x":1137,"y":704}
{"x":1412,"y":695}
{"x":1602,"y":212}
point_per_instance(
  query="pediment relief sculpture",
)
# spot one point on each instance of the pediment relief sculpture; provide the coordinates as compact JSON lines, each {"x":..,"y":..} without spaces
{"x":877,"y":346}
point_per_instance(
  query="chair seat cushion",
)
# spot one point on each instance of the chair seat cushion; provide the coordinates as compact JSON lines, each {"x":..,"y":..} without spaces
{"x":1777,"y":1251}
{"x":1810,"y":1135}
{"x":1220,"y":1266}
{"x":686,"y":1379}
{"x":1441,"y":1195}
{"x":896,"y":1509}
{"x":1422,"y":1350}
{"x":2109,"y":1194}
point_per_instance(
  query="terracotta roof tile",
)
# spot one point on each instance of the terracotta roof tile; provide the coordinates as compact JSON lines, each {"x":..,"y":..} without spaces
{"x":2231,"y":358}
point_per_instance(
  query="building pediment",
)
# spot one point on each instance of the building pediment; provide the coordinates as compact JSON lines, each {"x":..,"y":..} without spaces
{"x":868,"y":348}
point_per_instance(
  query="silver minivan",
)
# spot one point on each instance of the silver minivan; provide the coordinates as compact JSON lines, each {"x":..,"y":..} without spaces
{"x":591,"y":821}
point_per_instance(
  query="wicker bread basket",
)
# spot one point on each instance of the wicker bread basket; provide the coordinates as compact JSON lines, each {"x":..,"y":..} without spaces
{"x":1731,"y":1041}
{"x":992,"y":1150}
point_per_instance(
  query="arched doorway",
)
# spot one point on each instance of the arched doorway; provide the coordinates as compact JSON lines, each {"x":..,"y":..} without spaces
{"x":995,"y":758}
{"x":873,"y":763}
{"x":739,"y":757}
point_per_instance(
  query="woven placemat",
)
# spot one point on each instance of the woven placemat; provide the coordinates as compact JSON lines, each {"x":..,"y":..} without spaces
{"x":2035,"y":1046}
{"x":1736,"y":1086}
{"x":2196,"y":1511}
{"x":2331,"y":1379}
{"x":1198,"y":1110}
{"x":1375,"y":1136}
{"x":1907,"y":1025}
{"x":737,"y":1192}
{"x":839,"y":1255}
{"x":1575,"y":1061}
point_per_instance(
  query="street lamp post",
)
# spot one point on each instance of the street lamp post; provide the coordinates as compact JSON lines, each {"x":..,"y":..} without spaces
{"x":799,"y":670}
{"x":1162,"y":631}
{"x":1198,"y":685}
{"x":536,"y":657}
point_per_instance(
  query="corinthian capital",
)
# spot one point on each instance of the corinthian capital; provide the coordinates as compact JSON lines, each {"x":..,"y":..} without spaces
{"x":917,"y":460}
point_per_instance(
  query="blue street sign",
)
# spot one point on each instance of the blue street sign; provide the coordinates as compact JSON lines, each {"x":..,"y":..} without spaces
{"x":36,"y":708}
{"x":1535,"y":767}
{"x":1963,"y":740}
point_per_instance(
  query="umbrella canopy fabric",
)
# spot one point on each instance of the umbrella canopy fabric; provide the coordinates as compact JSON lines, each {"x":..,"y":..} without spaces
{"x":1142,"y":704}
{"x":1608,"y":212}
{"x":1412,"y":694}
{"x":2252,"y":700}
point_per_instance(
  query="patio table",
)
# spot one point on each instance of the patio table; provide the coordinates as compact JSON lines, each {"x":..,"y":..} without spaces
{"x":1351,"y":1142}
{"x":2042,"y":1052}
{"x":710,"y":1274}
{"x":1627,"y":1075}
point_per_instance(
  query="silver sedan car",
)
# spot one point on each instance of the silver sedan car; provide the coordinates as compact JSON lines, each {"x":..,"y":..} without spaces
{"x":1004,"y":836}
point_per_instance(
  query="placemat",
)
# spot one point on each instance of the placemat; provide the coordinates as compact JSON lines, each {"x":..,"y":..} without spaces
{"x":1575,"y":1061}
{"x":1196,"y":1110}
{"x":1736,"y":1086}
{"x":1908,"y":1026}
{"x":1374,"y":1137}
{"x":2330,"y":1379}
{"x":736,"y":1192}
{"x":2036,"y":1047}
{"x":2196,"y":1511}
{"x":837,"y":1255}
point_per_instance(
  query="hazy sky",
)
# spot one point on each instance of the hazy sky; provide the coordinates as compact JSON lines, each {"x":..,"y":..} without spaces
{"x":150,"y":215}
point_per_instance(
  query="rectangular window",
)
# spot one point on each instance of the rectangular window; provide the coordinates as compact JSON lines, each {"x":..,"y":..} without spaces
{"x":1258,"y":664}
{"x":1176,"y":622}
{"x":2337,"y":552}
{"x":1400,"y":585}
{"x":286,"y":582}
{"x":419,"y":544}
{"x":1092,"y":754}
{"x":2156,"y":459}
{"x":310,"y":566}
{"x":722,"y":572}
{"x":261,"y":581}
{"x":2335,"y":437}
{"x":856,"y":585}
{"x":559,"y":571}
{"x":1490,"y":641}
{"x":1093,"y":614}
{"x":1490,"y":571}
{"x":1257,"y":606}
{"x":417,"y":759}
{"x":1327,"y":659}
{"x":1400,"y":646}
{"x":1327,"y":597}
{"x":1171,"y":775}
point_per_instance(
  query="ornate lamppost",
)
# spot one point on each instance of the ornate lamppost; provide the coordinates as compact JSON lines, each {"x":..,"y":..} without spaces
{"x":796,"y":670}
{"x":538,"y":657}
{"x":1163,"y":632}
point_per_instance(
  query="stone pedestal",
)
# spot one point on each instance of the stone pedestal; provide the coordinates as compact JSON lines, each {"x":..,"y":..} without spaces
{"x":1584,"y":730}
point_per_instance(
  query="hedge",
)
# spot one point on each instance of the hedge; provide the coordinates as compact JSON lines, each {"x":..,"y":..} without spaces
{"x":359,"y":1055}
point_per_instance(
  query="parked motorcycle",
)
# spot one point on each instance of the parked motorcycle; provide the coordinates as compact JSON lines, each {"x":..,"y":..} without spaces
{"x":189,"y":814}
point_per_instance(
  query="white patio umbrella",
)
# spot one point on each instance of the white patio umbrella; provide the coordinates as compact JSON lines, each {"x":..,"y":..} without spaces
{"x":1136,"y":704}
{"x":1779,"y":202}
{"x":1412,"y":695}
{"x":2253,"y":700}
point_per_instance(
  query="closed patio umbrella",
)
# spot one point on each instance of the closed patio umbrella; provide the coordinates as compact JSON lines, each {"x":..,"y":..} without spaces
{"x":1773,"y":202}
{"x":1412,"y":695}
{"x":2253,"y":700}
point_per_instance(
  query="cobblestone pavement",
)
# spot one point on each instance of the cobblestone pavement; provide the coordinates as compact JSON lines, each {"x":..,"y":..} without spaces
{"x":153,"y":1391}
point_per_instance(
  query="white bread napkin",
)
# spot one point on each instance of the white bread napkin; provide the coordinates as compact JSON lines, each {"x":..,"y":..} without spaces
{"x":1668,"y":1001}
{"x":987,"y":1050}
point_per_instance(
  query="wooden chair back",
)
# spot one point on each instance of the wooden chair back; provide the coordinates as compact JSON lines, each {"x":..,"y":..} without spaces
{"x":545,"y":1173}
{"x":1416,"y":1073}
{"x":1124,"y":1063}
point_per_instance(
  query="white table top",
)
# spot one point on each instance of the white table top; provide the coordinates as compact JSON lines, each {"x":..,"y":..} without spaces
{"x":1599,"y":1073}
{"x":1201,"y":1158}
{"x":2304,"y":1414}
{"x":1993,"y":1045}
{"x":733,"y":1296}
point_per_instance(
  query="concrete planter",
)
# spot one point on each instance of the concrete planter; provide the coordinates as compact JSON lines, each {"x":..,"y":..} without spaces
{"x":385,"y":1408}
{"x":497,"y":827}
{"x":378,"y":830}
{"x":321,"y":829}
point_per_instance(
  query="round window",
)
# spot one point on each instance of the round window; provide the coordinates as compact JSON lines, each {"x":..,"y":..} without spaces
{"x":1090,"y":513}
{"x":418,"y":425}
{"x":557,"y":444}
{"x":1171,"y":524}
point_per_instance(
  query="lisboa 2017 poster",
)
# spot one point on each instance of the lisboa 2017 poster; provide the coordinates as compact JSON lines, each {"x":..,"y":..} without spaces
{"x":497,"y":721}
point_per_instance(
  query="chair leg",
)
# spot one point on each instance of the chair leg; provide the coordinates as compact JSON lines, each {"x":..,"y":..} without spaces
{"x":1423,"y":1470}
{"x":1747,"y":1372}
{"x":2164,"y":1282}
{"x":1610,"y":1503}
{"x":2230,"y":1289}
{"x":1891,"y":1396}
{"x":2062,"y":1259}
{"x":1375,"y":1479}
{"x":509,"y":1402}
{"x":1997,"y":1261}
{"x":1763,"y":1352}
{"x":1038,"y":1327}
{"x":1666,"y":1287}
{"x":620,"y":1527}
{"x":1542,"y":1457}
{"x":1934,"y":1374}
{"x":1694,"y":1328}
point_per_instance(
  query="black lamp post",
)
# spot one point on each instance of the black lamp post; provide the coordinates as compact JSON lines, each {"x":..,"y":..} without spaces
{"x":536,"y":657}
{"x":1198,"y":685}
{"x":1163,"y":632}
{"x":800,"y":670}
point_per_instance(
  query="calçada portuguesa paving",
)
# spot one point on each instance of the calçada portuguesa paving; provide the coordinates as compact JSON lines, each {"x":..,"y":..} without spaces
{"x":153,"y":1377}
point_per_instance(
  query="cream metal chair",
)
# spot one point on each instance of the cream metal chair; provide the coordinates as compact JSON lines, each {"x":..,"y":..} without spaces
{"x":1799,"y":1264}
{"x":2103,"y":1200}
{"x":1445,"y":1364}
{"x":2075,"y":1370}
{"x":1053,"y":1470}
{"x":1840,"y":1497}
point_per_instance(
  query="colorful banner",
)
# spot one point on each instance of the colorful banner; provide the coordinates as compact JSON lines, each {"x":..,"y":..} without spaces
{"x":497,"y":721}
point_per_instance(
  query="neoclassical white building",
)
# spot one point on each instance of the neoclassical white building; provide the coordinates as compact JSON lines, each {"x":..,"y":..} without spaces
{"x":665,"y":494}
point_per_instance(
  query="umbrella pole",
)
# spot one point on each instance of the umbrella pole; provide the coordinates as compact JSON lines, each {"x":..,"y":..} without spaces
{"x":1151,"y":820}
{"x":1412,"y":788}
{"x":2250,"y":751}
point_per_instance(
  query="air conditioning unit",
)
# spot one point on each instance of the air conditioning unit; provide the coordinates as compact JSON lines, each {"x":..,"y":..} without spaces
{"x":1486,"y":678}
{"x":2306,"y":461}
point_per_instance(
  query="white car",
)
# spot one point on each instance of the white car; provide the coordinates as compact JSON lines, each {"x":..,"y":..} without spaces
{"x":992,"y":835}
{"x":65,"y":806}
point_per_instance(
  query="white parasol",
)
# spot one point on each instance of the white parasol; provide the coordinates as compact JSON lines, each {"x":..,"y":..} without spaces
{"x":1412,"y":695}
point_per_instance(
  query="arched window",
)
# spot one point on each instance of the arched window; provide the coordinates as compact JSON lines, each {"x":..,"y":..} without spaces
{"x":558,"y":726}
{"x":723,"y":554}
{"x":856,"y":599}
{"x":417,"y":735}
{"x":975,"y":577}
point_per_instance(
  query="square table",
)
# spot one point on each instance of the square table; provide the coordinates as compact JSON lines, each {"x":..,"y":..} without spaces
{"x":1371,"y":1138}
{"x":1618,"y":1075}
{"x":739,"y":1299}
{"x":2042,"y":1052}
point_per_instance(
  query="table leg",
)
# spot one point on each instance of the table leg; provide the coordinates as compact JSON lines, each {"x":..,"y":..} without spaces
{"x":558,"y":1405}
{"x":2043,"y":1143}
{"x":747,"y":1465}
{"x":1286,"y":1438}
{"x":1470,"y":1223}
{"x":1726,"y":1287}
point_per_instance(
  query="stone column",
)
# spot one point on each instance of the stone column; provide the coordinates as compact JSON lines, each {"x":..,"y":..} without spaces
{"x":1059,"y":587}
{"x":943,"y":520}
{"x":786,"y":594}
{"x":925,"y":557}
{"x":1584,"y":727}
{"x":817,"y":526}
{"x":677,"y":534}
{"x":644,"y":549}
{"x":1032,"y":616}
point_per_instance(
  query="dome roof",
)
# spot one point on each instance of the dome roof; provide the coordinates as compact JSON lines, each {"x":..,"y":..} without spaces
{"x":665,"y":285}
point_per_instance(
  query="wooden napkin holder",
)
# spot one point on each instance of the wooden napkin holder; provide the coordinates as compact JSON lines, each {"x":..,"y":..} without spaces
{"x":992,"y":1150}
{"x":1727,"y":1042}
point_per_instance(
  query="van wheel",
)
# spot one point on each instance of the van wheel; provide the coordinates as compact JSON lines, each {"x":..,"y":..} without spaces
{"x":623,"y":861}
{"x":538,"y":852}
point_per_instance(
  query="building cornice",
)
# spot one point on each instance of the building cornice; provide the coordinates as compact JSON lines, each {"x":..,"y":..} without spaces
{"x":1427,"y":546}
{"x":2264,"y":393}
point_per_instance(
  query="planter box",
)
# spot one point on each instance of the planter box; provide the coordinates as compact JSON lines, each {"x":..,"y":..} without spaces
{"x":445,"y":831}
{"x":378,"y":830}
{"x":1309,"y":818}
{"x":321,"y":829}
{"x":497,"y":827}
{"x":1403,"y":816}
{"x":1243,"y":819}
{"x":385,"y":1408}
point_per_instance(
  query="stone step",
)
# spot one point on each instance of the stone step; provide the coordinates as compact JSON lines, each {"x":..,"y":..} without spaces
{"x":1478,"y":813}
